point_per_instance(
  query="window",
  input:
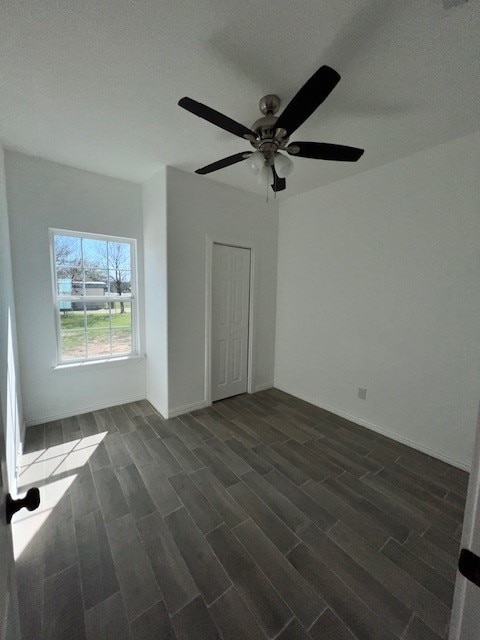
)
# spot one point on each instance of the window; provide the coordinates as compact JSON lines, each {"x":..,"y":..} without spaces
{"x":94,"y":291}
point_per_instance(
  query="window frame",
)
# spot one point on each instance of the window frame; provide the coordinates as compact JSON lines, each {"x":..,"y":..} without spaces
{"x":57,"y":299}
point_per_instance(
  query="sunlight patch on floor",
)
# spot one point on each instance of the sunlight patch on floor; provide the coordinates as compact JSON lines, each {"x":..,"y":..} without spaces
{"x":26,"y":524}
{"x":53,"y":470}
{"x":45,"y":463}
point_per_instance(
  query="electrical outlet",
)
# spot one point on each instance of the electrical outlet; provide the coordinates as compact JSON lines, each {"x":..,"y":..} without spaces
{"x":362,"y":393}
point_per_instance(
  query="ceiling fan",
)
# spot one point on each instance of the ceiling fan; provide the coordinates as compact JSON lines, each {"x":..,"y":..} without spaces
{"x":270,"y":134}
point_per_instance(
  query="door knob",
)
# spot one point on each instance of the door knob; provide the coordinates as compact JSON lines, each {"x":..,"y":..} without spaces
{"x":469,"y":566}
{"x":31,"y":501}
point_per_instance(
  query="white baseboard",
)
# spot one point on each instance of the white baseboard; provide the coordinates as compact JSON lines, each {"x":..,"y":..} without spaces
{"x":262,"y":387}
{"x":80,"y":410}
{"x":375,"y":427}
{"x":178,"y":411}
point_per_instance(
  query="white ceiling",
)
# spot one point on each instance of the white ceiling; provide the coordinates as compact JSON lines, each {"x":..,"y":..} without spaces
{"x":94,"y":84}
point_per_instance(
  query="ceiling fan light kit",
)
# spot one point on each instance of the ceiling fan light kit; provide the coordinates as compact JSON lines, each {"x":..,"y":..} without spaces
{"x":256,"y":162}
{"x":283,"y":165}
{"x":270,"y":134}
{"x":265,"y":176}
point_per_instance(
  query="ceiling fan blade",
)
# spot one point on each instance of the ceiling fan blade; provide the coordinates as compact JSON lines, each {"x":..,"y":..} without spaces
{"x":279,"y":184}
{"x":224,"y":162}
{"x":216,"y":118}
{"x":310,"y":96}
{"x":325,"y":151}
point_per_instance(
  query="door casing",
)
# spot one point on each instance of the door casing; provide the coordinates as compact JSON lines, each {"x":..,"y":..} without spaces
{"x":464,"y":622}
{"x":9,"y":610}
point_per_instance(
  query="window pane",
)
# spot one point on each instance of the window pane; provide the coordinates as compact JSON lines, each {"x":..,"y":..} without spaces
{"x":98,"y":329}
{"x":95,"y":285}
{"x":98,"y":342}
{"x":95,"y":253}
{"x":73,"y":345}
{"x":121,"y":316}
{"x":68,"y":258}
{"x":121,"y":313}
{"x":72,"y":319}
{"x":98,"y":316}
{"x":77,"y":290}
{"x":72,"y":331}
{"x":119,"y":255}
{"x":93,"y":274}
{"x":64,"y":288}
{"x":120,"y":282}
{"x":120,"y":266}
{"x":121,"y":341}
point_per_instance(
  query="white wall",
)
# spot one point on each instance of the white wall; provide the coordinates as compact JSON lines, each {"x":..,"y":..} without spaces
{"x":156,"y":318}
{"x":197,"y":207}
{"x":10,"y":392}
{"x":44,"y":194}
{"x":379,"y":287}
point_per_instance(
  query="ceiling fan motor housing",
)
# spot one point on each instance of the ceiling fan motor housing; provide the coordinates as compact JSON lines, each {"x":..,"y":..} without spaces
{"x":269,"y":137}
{"x":265,"y":127}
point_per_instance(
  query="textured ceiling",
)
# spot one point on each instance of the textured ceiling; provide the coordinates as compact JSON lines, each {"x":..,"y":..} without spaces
{"x":94,"y":84}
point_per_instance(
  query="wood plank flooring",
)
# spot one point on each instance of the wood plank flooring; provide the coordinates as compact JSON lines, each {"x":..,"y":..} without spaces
{"x":259,"y":517}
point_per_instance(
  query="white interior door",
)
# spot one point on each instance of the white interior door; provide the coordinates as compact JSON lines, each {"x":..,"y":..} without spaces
{"x":465,"y":621}
{"x":9,"y":620}
{"x":230,"y":313}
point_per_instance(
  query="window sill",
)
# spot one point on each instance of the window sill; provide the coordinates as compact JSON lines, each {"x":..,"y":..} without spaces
{"x":90,"y":365}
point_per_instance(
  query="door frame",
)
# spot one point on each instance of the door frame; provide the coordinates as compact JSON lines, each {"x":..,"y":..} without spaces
{"x":469,"y":539}
{"x":210,"y":241}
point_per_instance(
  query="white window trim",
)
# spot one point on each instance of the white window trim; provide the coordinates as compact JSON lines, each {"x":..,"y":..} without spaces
{"x":90,"y":365}
{"x":121,"y":358}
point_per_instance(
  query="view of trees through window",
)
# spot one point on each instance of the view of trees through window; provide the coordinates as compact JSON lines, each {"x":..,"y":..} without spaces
{"x":94,"y":285}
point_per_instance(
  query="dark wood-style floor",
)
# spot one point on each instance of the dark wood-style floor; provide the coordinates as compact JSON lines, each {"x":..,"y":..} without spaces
{"x":261,"y":517}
